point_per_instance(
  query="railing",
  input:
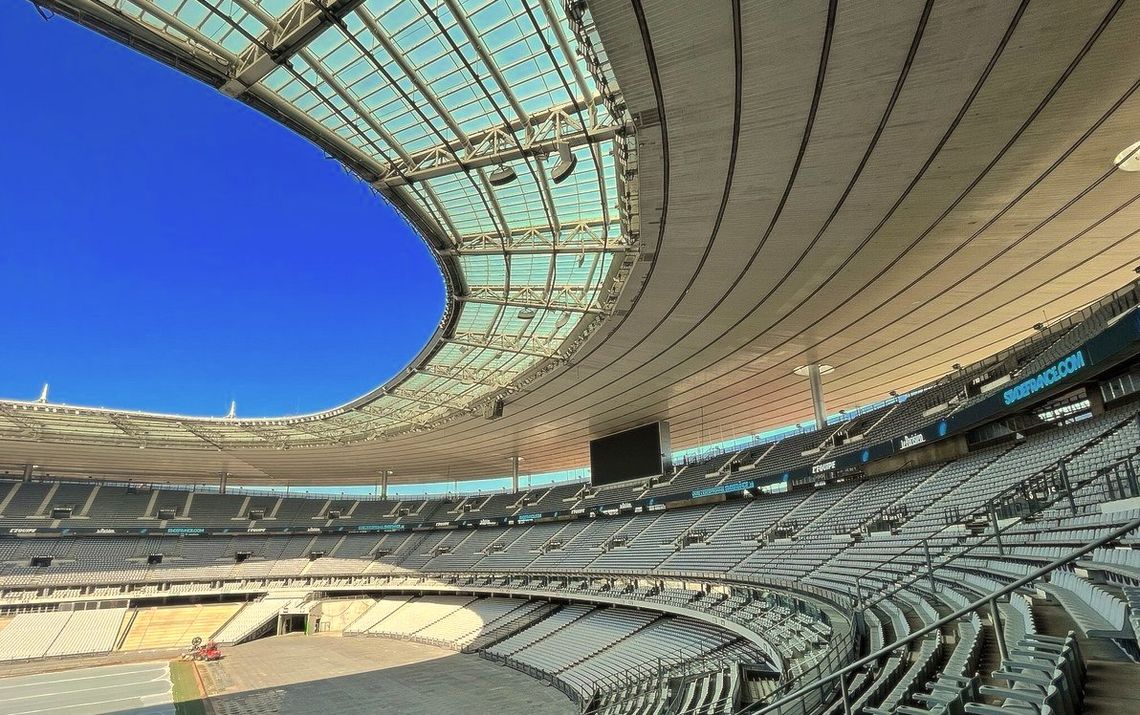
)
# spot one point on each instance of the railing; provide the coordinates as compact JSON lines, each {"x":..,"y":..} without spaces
{"x":986,"y":510}
{"x":615,"y":690}
{"x":795,"y":702}
{"x":1063,"y":489}
{"x":993,"y":536}
{"x":284,"y":493}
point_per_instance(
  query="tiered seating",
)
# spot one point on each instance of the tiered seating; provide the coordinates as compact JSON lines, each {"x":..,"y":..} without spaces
{"x":161,"y":628}
{"x":1095,"y":610}
{"x":539,"y":631}
{"x":476,"y":620}
{"x":649,"y":543}
{"x":60,"y":633}
{"x":580,"y":639}
{"x":252,"y":618}
{"x":380,"y":610}
{"x":911,"y":545}
{"x":418,"y":614}
{"x":29,"y":635}
{"x":667,"y":641}
{"x":1044,"y":675}
{"x":88,"y":632}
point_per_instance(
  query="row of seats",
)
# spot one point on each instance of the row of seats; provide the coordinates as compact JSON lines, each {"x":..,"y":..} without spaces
{"x":115,"y":506}
{"x":253,"y":618}
{"x":908,"y":566}
{"x":61,"y":633}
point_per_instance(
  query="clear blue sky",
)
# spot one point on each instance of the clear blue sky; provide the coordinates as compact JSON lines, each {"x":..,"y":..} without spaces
{"x":166,"y":248}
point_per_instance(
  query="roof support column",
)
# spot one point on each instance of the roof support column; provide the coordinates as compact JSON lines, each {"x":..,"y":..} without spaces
{"x":817,"y":396}
{"x":515,"y":473}
{"x":814,"y":373}
{"x":28,"y":472}
{"x":223,"y":477}
{"x":384,"y":474}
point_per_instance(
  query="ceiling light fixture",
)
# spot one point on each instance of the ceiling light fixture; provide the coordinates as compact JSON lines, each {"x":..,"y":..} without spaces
{"x":1129,"y":159}
{"x":566,"y":163}
{"x":502,"y":176}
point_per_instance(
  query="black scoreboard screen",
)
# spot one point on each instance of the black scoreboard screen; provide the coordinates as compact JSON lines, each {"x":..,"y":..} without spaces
{"x":633,"y":454}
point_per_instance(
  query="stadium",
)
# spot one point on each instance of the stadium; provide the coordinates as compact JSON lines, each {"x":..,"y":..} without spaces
{"x":822,"y":315}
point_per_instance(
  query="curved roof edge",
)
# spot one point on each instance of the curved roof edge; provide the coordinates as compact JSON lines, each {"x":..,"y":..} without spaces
{"x":403,"y":176}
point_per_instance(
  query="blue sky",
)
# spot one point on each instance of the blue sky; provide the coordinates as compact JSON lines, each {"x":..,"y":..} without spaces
{"x":166,"y":248}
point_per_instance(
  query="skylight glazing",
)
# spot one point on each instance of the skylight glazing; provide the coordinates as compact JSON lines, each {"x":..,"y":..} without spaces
{"x":461,"y":113}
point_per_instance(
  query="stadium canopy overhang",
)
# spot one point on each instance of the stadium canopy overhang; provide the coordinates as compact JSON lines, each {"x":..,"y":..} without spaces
{"x":754,"y":187}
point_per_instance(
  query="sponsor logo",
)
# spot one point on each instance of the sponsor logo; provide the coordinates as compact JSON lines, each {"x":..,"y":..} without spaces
{"x":488,"y":522}
{"x":186,"y":530}
{"x":259,"y":530}
{"x":21,"y":531}
{"x":104,"y":531}
{"x":524,"y":518}
{"x":1046,"y":378}
{"x":823,"y":467}
{"x":912,"y":440}
{"x":579,"y":510}
{"x":440,"y":524}
{"x":625,"y":505}
{"x":722,"y":489}
{"x":655,"y":507}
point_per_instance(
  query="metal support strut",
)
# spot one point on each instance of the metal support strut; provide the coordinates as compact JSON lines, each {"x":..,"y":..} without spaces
{"x":997,"y":531}
{"x":817,"y":396}
{"x":999,"y":630}
{"x":929,"y":566}
{"x":1064,"y":474}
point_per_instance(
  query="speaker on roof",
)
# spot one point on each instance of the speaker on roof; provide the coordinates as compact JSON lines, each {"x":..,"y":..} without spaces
{"x":494,"y":410}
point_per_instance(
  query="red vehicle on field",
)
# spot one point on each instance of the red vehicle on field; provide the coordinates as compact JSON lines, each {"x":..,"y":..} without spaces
{"x":202,"y":651}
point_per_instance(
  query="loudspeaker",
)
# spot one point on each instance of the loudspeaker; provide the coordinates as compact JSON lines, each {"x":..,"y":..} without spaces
{"x":494,"y":410}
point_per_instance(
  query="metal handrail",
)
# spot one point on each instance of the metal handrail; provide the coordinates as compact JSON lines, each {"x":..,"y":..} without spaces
{"x":986,"y":539}
{"x":761,"y":708}
{"x":984,"y":508}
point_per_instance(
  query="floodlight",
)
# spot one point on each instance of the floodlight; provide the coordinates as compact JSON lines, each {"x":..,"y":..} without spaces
{"x":566,"y":163}
{"x":502,"y":176}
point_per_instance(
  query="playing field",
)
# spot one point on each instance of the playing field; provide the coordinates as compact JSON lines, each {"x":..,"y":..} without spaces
{"x":133,"y":689}
{"x":303,"y":675}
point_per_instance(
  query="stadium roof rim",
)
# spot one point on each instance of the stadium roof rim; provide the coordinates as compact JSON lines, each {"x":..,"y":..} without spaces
{"x":525,"y":286}
{"x":815,"y":183}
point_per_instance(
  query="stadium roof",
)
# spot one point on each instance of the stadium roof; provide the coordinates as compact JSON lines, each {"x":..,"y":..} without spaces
{"x":757,"y":186}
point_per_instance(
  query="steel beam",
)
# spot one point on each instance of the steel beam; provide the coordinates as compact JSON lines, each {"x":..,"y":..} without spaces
{"x":501,"y":343}
{"x":296,"y":28}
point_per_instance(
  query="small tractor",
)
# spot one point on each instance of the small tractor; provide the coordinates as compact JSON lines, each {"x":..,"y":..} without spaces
{"x":202,"y":651}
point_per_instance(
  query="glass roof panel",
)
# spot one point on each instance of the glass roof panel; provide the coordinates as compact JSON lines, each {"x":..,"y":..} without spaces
{"x":431,"y":103}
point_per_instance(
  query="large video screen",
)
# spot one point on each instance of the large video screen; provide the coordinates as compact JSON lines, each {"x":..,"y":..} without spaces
{"x":634,"y":454}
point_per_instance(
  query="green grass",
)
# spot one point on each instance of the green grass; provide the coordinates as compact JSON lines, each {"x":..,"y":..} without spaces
{"x":187,"y":698}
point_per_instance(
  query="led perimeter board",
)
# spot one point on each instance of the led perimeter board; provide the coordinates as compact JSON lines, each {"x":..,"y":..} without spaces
{"x":633,"y":454}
